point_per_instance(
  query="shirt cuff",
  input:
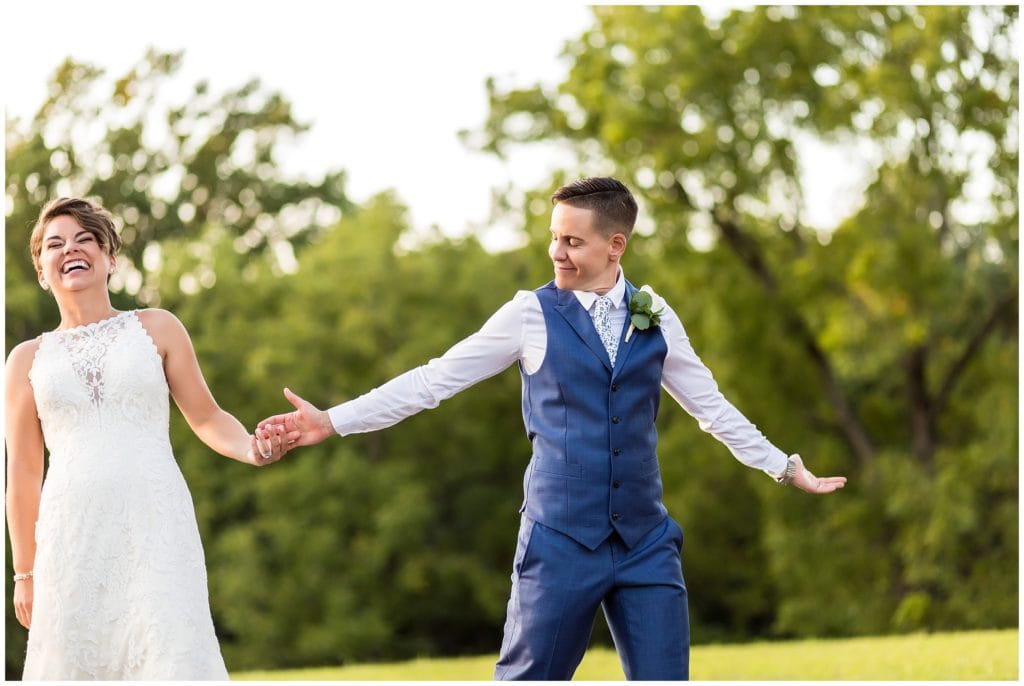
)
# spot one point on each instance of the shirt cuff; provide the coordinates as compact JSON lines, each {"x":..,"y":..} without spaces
{"x":778,"y":463}
{"x":342,"y":418}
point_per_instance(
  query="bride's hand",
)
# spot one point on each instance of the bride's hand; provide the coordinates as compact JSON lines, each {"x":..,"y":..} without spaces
{"x":267,"y":445}
{"x":23,"y":601}
{"x":307,"y":425}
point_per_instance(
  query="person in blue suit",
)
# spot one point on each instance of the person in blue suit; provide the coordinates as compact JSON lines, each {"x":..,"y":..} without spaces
{"x":593,"y":532}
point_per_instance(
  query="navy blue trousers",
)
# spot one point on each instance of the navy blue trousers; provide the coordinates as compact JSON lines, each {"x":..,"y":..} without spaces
{"x":557,"y":586}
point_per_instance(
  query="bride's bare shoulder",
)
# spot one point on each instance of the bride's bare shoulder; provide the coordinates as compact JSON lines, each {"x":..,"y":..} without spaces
{"x":154,"y":318}
{"x":166,"y":330}
{"x":19,"y":361}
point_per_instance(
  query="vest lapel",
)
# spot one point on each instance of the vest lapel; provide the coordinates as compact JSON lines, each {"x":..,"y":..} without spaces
{"x":625,"y":347}
{"x":569,"y":307}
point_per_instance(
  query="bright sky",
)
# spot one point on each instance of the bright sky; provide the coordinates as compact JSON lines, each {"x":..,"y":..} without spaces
{"x":386,"y":86}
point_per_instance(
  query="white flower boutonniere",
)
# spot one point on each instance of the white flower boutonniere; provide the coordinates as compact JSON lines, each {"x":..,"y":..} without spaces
{"x":645,"y":308}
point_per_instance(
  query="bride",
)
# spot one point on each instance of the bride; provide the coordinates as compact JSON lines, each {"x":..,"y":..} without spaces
{"x":110,"y":577}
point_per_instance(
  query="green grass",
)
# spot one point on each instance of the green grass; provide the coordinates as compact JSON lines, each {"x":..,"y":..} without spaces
{"x":951,"y":656}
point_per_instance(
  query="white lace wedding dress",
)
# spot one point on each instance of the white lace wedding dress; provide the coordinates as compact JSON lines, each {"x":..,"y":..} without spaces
{"x":120,"y":578}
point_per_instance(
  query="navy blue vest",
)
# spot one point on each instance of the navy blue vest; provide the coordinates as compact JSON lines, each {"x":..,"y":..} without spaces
{"x":594,"y":467}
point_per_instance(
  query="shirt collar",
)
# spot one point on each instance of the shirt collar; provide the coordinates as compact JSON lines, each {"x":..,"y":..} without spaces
{"x":617,"y":294}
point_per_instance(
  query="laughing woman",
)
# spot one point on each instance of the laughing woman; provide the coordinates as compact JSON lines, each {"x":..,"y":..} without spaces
{"x":110,"y":577}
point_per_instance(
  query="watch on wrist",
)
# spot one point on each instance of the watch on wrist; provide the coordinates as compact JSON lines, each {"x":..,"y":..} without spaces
{"x":790,"y":473}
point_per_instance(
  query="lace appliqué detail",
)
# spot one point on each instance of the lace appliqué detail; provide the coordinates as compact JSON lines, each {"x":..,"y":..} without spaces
{"x":87,"y":348}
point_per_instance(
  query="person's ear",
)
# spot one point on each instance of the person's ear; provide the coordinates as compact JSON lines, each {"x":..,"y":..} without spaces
{"x":617,"y":245}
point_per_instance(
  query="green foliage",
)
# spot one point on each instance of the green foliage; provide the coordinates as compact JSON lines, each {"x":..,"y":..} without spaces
{"x":885,"y":349}
{"x":371,"y":540}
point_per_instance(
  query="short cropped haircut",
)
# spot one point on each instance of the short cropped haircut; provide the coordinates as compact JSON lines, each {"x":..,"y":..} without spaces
{"x":613,"y":205}
{"x":90,"y":216}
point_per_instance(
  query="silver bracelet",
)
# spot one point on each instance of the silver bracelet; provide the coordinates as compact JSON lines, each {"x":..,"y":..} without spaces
{"x":790,"y":473}
{"x":23,"y":576}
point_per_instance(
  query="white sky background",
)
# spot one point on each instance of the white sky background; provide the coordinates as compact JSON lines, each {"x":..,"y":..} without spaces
{"x":386,"y":86}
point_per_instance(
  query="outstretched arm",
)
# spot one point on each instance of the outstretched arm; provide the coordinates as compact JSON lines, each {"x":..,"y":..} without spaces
{"x":218,"y":429}
{"x":483,"y":354}
{"x":691,"y":384}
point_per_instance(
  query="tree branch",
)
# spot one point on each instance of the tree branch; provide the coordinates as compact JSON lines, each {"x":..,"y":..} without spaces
{"x":1004,"y":309}
{"x":749,"y":252}
{"x":746,"y":249}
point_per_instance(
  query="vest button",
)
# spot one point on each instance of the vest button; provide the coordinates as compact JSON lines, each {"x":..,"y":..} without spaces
{"x":616,"y":452}
{"x":615,"y":419}
{"x":615,"y":515}
{"x":616,"y":484}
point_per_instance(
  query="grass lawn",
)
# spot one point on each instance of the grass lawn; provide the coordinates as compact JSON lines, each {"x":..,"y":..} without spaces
{"x":951,"y":656}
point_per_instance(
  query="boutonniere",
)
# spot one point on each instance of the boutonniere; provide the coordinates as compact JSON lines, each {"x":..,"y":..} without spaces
{"x":645,"y":308}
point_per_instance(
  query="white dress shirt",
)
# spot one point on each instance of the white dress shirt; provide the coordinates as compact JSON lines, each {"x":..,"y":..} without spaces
{"x":517,"y":333}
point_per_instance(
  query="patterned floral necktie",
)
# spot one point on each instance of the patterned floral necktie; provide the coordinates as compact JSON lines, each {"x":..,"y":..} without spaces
{"x":602,"y":322}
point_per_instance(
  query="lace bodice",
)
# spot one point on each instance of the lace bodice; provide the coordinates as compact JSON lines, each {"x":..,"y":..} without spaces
{"x":120,"y":579}
{"x":96,"y":381}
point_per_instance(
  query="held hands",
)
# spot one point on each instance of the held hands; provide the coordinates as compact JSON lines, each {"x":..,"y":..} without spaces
{"x":307,"y":425}
{"x":805,"y":481}
{"x":266,"y":445}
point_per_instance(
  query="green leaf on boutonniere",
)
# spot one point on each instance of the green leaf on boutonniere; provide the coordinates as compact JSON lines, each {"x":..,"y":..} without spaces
{"x":640,"y":302}
{"x":640,"y":321}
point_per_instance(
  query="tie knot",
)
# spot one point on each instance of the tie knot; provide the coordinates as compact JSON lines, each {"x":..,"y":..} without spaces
{"x":604,"y":305}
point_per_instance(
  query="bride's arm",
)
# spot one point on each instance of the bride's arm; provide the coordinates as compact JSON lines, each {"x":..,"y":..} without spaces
{"x":24,"y":472}
{"x":214,"y":427}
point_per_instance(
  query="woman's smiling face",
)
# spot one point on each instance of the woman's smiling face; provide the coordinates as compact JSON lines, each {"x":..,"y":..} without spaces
{"x":72,"y":258}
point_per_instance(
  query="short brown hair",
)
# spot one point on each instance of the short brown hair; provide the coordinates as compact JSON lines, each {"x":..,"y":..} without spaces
{"x":90,"y":216}
{"x":611,"y":202}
